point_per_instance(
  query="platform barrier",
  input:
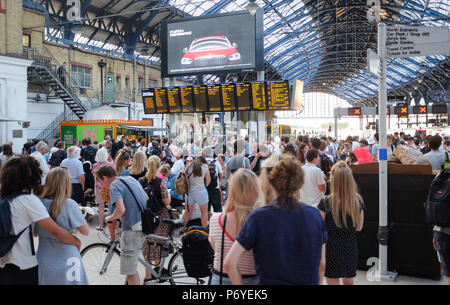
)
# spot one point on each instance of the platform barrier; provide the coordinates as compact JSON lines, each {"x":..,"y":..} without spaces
{"x":410,"y":247}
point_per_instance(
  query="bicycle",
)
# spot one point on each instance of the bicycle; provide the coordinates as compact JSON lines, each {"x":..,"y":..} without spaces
{"x":102,"y":261}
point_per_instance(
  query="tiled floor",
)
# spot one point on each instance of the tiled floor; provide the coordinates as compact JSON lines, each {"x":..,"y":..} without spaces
{"x":361,"y":278}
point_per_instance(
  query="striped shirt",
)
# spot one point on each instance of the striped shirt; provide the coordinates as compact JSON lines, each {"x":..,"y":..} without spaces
{"x":246,"y":265}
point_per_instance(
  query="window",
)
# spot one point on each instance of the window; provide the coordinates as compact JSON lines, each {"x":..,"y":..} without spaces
{"x":118,"y":84}
{"x":140,"y":84}
{"x":26,"y":41}
{"x":127,"y":85}
{"x":152,"y":83}
{"x":82,"y":76}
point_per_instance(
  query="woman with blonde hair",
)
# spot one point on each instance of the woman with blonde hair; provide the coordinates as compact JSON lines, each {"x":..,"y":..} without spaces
{"x":287,"y":237}
{"x":159,"y":202}
{"x":122,"y":162}
{"x":343,"y":213}
{"x":244,"y":195}
{"x":138,"y":167}
{"x":267,"y":189}
{"x":53,"y":256}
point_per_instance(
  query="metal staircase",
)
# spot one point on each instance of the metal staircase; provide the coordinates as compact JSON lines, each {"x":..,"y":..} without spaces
{"x":46,"y":68}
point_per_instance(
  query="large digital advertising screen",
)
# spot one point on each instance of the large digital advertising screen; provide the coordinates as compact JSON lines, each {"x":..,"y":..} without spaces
{"x":201,"y":45}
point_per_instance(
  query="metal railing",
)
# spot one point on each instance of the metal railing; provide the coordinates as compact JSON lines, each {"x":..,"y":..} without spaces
{"x":65,"y":82}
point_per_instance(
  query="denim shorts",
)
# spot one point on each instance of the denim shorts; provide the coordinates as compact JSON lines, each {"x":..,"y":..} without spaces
{"x":443,"y":248}
{"x":131,"y":244}
{"x":226,"y":281}
{"x":199,"y":197}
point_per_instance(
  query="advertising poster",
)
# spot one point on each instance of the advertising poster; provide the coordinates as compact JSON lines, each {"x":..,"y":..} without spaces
{"x":221,"y":43}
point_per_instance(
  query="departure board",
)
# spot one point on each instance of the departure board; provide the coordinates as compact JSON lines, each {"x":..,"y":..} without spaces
{"x":148,"y":97}
{"x":173,"y":97}
{"x":161,"y":100}
{"x":278,"y":95}
{"x":259,"y":96}
{"x":439,"y":108}
{"x":200,"y":99}
{"x":243,"y":96}
{"x":228,"y":97}
{"x":420,"y":109}
{"x":214,"y":98}
{"x":187,"y":99}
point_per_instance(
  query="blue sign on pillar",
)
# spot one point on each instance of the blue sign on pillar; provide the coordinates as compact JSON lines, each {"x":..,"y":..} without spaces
{"x":382,"y":154}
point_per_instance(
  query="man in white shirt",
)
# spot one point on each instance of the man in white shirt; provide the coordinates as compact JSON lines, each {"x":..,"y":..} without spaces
{"x":312,"y":190}
{"x":41,"y":149}
{"x":179,"y":163}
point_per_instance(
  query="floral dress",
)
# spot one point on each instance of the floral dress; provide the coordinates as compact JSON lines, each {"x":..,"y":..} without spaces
{"x":152,"y":248}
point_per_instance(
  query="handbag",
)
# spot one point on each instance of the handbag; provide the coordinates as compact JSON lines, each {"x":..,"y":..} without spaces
{"x":105,"y":194}
{"x":221,"y":251}
{"x":149,"y":219}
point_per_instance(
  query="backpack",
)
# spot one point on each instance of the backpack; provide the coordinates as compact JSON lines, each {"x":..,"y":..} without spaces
{"x":181,"y":184}
{"x":198,"y":255}
{"x":89,"y":154}
{"x":154,"y":195}
{"x":437,"y":206}
{"x":212,"y":172}
{"x":57,"y":157}
{"x":447,"y":161}
{"x":7,"y":240}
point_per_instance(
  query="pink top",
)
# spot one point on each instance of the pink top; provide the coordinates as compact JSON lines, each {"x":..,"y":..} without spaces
{"x":246,"y":265}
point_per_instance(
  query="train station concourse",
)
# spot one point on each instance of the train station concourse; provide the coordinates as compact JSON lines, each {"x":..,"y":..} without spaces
{"x":224,"y":142}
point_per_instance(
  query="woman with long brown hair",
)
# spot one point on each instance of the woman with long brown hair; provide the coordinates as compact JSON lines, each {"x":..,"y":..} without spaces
{"x":159,"y":198}
{"x":343,"y":213}
{"x":244,"y":195}
{"x":20,"y":179}
{"x":122,"y":162}
{"x":301,"y":152}
{"x":53,"y":256}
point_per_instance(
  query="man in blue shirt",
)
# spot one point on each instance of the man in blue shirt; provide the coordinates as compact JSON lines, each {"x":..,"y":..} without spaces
{"x":76,"y":171}
{"x":128,"y":211}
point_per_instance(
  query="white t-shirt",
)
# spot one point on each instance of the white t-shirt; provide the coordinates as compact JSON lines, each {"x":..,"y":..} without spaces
{"x":219,"y":170}
{"x":310,"y":193}
{"x":25,"y":210}
{"x":42,"y":164}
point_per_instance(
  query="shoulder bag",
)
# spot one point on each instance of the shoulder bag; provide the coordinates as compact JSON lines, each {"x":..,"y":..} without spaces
{"x":149,"y":219}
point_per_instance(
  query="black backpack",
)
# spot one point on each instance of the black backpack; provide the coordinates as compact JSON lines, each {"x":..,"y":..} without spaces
{"x":153,"y":190}
{"x":198,"y":255}
{"x":57,"y":157}
{"x":212,"y":172}
{"x":7,"y":240}
{"x":89,"y":154}
{"x":437,"y":206}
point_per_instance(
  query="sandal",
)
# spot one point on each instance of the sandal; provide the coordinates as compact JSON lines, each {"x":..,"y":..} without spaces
{"x":99,"y":228}
{"x":147,"y":280}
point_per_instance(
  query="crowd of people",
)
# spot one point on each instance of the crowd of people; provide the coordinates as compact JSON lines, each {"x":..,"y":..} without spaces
{"x":289,"y":209}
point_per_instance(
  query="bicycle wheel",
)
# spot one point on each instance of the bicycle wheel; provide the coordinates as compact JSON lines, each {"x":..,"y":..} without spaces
{"x":94,"y":257}
{"x":178,"y":274}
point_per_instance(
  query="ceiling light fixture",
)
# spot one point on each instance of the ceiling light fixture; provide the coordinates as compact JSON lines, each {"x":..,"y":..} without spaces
{"x":252,"y":7}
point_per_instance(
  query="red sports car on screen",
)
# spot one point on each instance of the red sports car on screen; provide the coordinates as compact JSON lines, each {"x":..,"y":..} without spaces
{"x":210,"y":51}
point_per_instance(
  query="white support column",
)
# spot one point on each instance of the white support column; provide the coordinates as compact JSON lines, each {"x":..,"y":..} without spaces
{"x":383,"y":169}
{"x":13,"y":100}
{"x":261,"y":119}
